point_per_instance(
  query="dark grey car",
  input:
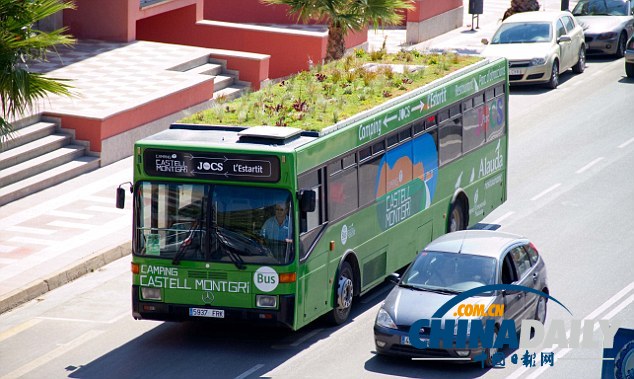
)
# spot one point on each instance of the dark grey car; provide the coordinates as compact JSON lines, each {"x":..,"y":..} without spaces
{"x":454,"y":263}
{"x":607,"y":25}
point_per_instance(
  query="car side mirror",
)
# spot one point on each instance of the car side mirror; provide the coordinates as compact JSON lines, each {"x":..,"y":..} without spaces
{"x":393,"y":278}
{"x":564,"y":38}
{"x":503,"y":293}
{"x":307,"y":200}
{"x":484,"y":41}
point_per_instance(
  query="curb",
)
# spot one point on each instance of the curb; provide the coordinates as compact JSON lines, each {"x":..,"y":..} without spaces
{"x":41,"y":286}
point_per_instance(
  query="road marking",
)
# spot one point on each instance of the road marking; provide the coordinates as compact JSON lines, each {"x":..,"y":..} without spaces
{"x":499,"y":220}
{"x":629,"y":141}
{"x":602,"y":308}
{"x":36,"y":241}
{"x":7,"y":249}
{"x":77,"y":216}
{"x":73,"y":225}
{"x":102,"y":209}
{"x":367,"y":299}
{"x":249,"y":371}
{"x":586,"y":167}
{"x":53,"y":354}
{"x":545,"y":192}
{"x":306,"y":337}
{"x":18,"y":329}
{"x":100,"y":199}
{"x":27,"y":230}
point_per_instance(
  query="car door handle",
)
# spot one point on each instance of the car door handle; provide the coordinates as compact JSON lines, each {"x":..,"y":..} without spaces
{"x":535,"y":276}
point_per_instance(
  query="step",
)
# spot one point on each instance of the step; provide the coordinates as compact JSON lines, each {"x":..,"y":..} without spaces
{"x":206,"y":69}
{"x":222,"y":81}
{"x":33,"y":149}
{"x":40,"y":164}
{"x":190,"y":64}
{"x":30,"y":133}
{"x":231,"y":92}
{"x":47,"y":179}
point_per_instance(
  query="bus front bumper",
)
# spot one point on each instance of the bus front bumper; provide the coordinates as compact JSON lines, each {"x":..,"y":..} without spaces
{"x":149,"y":310}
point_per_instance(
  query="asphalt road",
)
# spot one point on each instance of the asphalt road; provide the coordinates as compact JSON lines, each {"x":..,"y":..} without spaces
{"x":571,"y":190}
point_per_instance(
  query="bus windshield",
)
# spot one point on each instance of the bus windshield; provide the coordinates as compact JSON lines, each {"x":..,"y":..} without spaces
{"x":214,"y":223}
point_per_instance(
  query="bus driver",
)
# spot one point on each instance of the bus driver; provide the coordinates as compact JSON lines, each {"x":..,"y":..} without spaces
{"x":277,"y":227}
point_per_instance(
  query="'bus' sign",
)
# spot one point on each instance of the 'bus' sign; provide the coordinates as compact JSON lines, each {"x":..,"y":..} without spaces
{"x":264,"y":168}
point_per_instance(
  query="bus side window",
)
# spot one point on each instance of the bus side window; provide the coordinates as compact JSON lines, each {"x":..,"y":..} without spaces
{"x":311,"y":220}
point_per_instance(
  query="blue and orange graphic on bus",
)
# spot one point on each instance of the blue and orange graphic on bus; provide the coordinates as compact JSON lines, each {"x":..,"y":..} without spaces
{"x":406,"y":181}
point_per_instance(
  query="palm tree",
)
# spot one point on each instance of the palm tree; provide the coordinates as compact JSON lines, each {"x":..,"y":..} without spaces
{"x":518,"y":6}
{"x":21,"y":43}
{"x":346,"y":15}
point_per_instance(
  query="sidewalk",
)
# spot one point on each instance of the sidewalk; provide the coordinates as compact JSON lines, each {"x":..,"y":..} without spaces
{"x":57,"y":235}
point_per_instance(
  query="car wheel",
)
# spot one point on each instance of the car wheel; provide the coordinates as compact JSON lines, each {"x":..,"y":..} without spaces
{"x":541,"y":310}
{"x":490,"y":351}
{"x":344,"y":295}
{"x":581,"y":62}
{"x":554,"y":76}
{"x":629,"y":69}
{"x":620,"y":49}
{"x":456,"y":218}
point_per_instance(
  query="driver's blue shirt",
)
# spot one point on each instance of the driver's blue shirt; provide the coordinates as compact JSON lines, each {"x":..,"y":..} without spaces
{"x":273,"y":230}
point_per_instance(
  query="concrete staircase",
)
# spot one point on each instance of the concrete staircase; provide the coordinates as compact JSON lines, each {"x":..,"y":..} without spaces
{"x":226,"y":83}
{"x":38,"y":156}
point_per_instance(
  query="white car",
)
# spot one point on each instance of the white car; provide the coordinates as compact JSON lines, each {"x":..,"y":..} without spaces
{"x":539,"y":46}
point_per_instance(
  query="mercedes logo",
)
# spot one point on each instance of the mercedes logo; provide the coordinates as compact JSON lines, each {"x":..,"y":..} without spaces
{"x":208,"y":297}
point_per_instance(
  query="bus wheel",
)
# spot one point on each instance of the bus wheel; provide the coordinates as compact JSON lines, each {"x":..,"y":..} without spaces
{"x":456,"y":218}
{"x":345,"y":292}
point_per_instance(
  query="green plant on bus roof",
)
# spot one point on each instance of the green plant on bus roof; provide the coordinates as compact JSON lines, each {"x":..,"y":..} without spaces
{"x":329,"y":93}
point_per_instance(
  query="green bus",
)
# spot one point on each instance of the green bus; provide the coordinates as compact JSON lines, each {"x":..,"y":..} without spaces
{"x":281,"y":225}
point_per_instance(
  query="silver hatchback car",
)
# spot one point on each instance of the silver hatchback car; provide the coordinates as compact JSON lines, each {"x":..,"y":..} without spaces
{"x":453,"y":264}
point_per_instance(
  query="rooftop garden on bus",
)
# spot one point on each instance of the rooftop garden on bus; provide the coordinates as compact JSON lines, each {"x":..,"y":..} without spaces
{"x":327,"y":94}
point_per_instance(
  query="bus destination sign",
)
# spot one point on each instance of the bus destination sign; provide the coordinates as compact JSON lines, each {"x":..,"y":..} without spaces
{"x":217,"y":166}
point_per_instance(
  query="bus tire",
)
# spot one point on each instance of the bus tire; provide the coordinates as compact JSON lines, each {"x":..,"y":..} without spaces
{"x":457,"y":219}
{"x":344,"y":295}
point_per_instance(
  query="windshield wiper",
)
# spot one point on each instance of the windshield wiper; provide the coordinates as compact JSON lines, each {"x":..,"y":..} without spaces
{"x":429,"y":289}
{"x":235,"y":258}
{"x":182,"y":248}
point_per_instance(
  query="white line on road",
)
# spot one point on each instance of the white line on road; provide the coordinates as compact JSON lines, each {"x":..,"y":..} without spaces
{"x":306,"y":337}
{"x":545,"y":192}
{"x":602,"y":308}
{"x":624,"y":144}
{"x":250,"y":371}
{"x":75,"y":215}
{"x":53,"y":354}
{"x":28,"y":230}
{"x":36,"y":241}
{"x":73,"y":225}
{"x":586,"y":167}
{"x":499,"y":220}
{"x":100,"y":199}
{"x":102,"y":209}
{"x":7,"y":249}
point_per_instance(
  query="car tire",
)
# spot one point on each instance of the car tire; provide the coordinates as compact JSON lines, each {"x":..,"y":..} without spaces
{"x":541,"y":310}
{"x":629,"y":69}
{"x":580,"y":66}
{"x":457,"y":219}
{"x":490,"y":351}
{"x":553,"y":83}
{"x":621,"y":46}
{"x":343,"y":295}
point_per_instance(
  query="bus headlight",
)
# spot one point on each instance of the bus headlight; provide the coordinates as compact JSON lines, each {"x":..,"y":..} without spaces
{"x":151,"y":293}
{"x":266,"y":301}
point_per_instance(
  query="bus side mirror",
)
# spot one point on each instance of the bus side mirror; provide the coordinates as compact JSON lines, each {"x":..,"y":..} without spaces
{"x":307,"y":200}
{"x":121,"y":195}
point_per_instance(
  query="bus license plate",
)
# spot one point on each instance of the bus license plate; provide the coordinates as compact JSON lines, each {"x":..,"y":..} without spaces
{"x":203,"y":312}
